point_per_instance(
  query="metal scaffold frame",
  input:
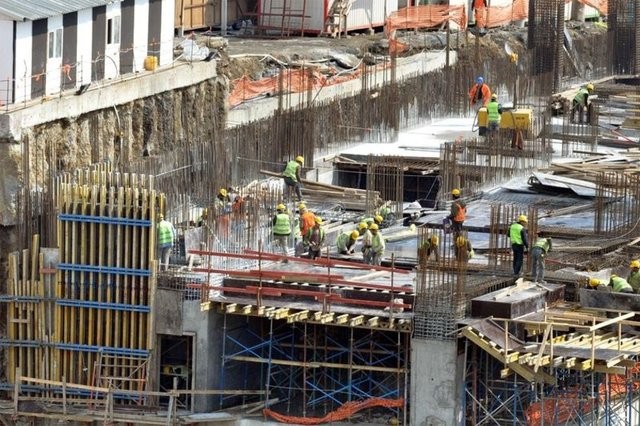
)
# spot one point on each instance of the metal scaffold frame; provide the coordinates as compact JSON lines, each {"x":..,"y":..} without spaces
{"x":312,"y":368}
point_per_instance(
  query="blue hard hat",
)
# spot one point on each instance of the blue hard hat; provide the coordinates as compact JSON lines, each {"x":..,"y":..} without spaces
{"x":480,"y":80}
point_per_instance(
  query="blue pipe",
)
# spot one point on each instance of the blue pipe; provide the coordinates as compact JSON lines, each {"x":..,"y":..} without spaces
{"x":68,"y":217}
{"x":103,"y":305}
{"x":75,"y":267}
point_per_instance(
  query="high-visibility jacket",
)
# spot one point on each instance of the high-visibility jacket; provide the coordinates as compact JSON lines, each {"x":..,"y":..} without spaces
{"x":367,"y":239}
{"x":493,"y":112}
{"x":544,"y":244}
{"x":344,"y":242}
{"x":315,"y":236}
{"x":634,"y":280}
{"x":290,"y":170}
{"x":582,"y":96}
{"x":480,"y":92}
{"x":515,"y":234}
{"x":377,"y":243}
{"x":620,"y":284}
{"x":165,"y":233}
{"x":281,"y":224}
{"x":458,"y":211}
{"x":307,"y":221}
{"x":295,"y":227}
{"x":477,"y":4}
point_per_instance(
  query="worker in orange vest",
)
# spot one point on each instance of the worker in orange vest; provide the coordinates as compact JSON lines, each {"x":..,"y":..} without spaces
{"x":479,"y":94}
{"x":478,"y":7}
{"x":458,"y":212}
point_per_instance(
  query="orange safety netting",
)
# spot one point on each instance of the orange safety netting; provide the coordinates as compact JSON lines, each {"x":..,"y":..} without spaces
{"x":425,"y":16}
{"x":289,"y":81}
{"x":496,"y":16}
{"x":345,"y":411}
{"x":601,"y":6}
{"x":559,"y":410}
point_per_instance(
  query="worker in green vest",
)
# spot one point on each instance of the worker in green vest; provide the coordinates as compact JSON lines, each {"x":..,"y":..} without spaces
{"x":377,"y":245}
{"x":582,"y":105}
{"x":494,"y":111}
{"x":539,"y":251}
{"x":619,"y":284}
{"x":519,"y":242}
{"x":463,"y":249}
{"x":428,"y":248}
{"x":166,"y":238}
{"x":346,"y":242}
{"x":634,"y":276}
{"x":281,"y":229}
{"x":315,"y":239}
{"x":291,"y":175}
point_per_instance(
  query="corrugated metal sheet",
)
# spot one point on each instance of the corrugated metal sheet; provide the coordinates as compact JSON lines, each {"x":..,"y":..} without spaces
{"x":21,"y":10}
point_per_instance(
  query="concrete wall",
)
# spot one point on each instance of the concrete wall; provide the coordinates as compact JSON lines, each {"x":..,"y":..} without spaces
{"x":6,"y":65}
{"x":436,"y":383}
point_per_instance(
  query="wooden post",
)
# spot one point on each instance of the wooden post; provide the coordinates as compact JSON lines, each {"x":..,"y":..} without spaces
{"x":64,"y":395}
{"x":16,"y":391}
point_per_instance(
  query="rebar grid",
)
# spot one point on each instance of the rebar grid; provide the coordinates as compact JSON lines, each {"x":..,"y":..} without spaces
{"x":545,"y":39}
{"x":386,"y":176}
{"x":617,"y":204}
{"x":624,"y":36}
{"x":501,"y":217}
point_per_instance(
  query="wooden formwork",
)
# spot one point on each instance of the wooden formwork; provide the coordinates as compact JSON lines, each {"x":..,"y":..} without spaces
{"x":83,"y":312}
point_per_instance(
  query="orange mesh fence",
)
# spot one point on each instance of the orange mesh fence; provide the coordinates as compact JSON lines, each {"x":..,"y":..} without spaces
{"x":396,"y":47}
{"x":345,"y":411}
{"x":425,"y":16}
{"x":496,"y":16}
{"x":601,"y":6}
{"x":560,"y":410}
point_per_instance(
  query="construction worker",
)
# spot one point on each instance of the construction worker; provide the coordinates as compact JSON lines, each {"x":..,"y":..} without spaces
{"x":202,"y":220}
{"x":619,"y":284}
{"x":458,"y":212}
{"x":634,"y":276}
{"x":429,"y":247}
{"x":315,"y":239}
{"x":463,"y":249}
{"x":238,"y":215}
{"x":494,"y":111}
{"x":582,"y":105}
{"x":362,"y":228}
{"x":281,"y":229}
{"x":377,"y":245}
{"x":519,"y":242}
{"x":479,"y":9}
{"x":377,"y":219}
{"x":479,"y":94}
{"x":539,"y":251}
{"x":166,"y":238}
{"x":367,"y":242}
{"x":346,"y":242}
{"x":291,"y":175}
{"x":307,"y":221}
{"x":222,"y":207}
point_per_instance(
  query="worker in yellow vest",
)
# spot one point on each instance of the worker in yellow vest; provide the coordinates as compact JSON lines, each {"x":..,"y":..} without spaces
{"x":634,"y":276}
{"x":377,"y":245}
{"x":519,"y":242}
{"x":291,"y":175}
{"x":281,"y":229}
{"x":539,"y":251}
{"x":166,"y":238}
{"x":346,"y":242}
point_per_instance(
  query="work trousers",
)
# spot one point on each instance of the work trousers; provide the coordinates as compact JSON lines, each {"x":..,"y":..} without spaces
{"x":537,"y":257}
{"x":518,"y":257}
{"x":282,"y":241}
{"x":376,"y":258}
{"x":164,"y":255}
{"x":456,"y":228}
{"x":296,"y":186}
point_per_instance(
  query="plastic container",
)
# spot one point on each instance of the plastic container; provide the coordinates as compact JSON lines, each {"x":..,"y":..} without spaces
{"x":151,"y":63}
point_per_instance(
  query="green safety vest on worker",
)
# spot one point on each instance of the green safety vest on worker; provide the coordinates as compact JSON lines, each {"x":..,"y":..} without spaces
{"x":343,"y":241}
{"x":493,"y":111}
{"x":515,"y":233}
{"x":165,"y":234}
{"x":581,"y":96}
{"x":290,"y":170}
{"x":282,"y":225}
{"x":310,"y":235}
{"x":620,"y":284}
{"x":634,"y":281}
{"x":543,"y":243}
{"x":296,"y":227}
{"x":377,"y":243}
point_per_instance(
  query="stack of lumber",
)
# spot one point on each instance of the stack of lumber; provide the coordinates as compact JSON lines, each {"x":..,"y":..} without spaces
{"x":588,"y":169}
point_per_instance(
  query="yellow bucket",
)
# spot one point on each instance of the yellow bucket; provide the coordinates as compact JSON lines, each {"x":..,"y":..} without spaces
{"x":150,"y":63}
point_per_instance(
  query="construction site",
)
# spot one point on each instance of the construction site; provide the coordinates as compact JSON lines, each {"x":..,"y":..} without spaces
{"x":239,"y":329}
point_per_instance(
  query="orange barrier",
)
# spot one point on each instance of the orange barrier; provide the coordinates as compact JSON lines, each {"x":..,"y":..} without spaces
{"x":497,"y":16}
{"x":601,"y":6}
{"x":347,"y":410}
{"x":425,"y":16}
{"x":559,"y":410}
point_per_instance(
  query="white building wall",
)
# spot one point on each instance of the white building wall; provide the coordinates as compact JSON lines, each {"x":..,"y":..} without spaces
{"x":85,"y":38}
{"x":166,"y":32}
{"x":112,"y":50}
{"x":370,"y":13}
{"x":54,"y":64}
{"x":23,"y":61}
{"x":6,"y":64}
{"x":140,"y":34}
{"x":314,"y":14}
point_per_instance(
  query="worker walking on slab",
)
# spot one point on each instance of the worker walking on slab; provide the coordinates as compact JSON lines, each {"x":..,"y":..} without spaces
{"x":539,"y":252}
{"x":458,"y":213}
{"x":281,"y":229}
{"x":582,"y":105}
{"x":494,"y":112}
{"x":346,"y":242}
{"x":291,"y":175}
{"x":166,"y":238}
{"x":634,"y":276}
{"x":519,"y":242}
{"x":480,"y":9}
{"x":315,"y":239}
{"x":479,"y":94}
{"x":377,"y":245}
{"x":463,"y":249}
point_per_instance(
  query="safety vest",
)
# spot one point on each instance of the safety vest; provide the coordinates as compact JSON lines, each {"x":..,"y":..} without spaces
{"x":515,"y":233}
{"x":290,"y":170}
{"x":477,"y":4}
{"x":493,"y":111}
{"x":308,"y":220}
{"x":461,"y":213}
{"x":165,"y":233}
{"x":343,"y":241}
{"x":282,"y":225}
{"x":315,"y":237}
{"x":634,"y":280}
{"x":581,"y":96}
{"x":620,"y":284}
{"x":543,"y":243}
{"x":367,"y":238}
{"x":296,"y":227}
{"x":377,"y":243}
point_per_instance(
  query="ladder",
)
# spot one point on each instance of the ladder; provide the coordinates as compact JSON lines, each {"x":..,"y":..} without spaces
{"x":119,"y":372}
{"x":336,"y":21}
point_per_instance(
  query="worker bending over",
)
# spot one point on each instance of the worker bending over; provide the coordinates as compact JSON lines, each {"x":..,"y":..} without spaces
{"x":281,"y":229}
{"x":582,"y":105}
{"x":166,"y":239}
{"x":519,"y":242}
{"x":617,"y":284}
{"x":634,"y":276}
{"x":307,"y":221}
{"x":346,"y":242}
{"x":315,"y":239}
{"x":377,"y":245}
{"x":429,"y":248}
{"x":539,"y":252}
{"x":463,"y":249}
{"x":479,"y":94}
{"x":291,"y":175}
{"x":458,"y":213}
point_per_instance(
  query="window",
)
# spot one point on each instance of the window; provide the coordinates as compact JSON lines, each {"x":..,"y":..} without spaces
{"x":113,"y":30}
{"x":55,"y":43}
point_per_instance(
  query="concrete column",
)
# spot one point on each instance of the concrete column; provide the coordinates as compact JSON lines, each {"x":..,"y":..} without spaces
{"x":224,"y":6}
{"x":577,"y":11}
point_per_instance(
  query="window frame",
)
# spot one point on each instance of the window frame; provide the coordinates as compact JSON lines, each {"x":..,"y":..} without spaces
{"x":113,"y":30}
{"x":54,"y":43}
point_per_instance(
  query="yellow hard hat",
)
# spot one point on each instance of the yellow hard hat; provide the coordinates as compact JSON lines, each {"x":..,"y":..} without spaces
{"x":281,"y":207}
{"x":494,"y":96}
{"x":378,"y":219}
{"x":302,"y":206}
{"x":355,"y":235}
{"x":300,"y":159}
{"x":591,"y":87}
{"x":373,"y":227}
{"x":594,"y":282}
{"x":222,"y":192}
{"x":362,"y":225}
{"x":319,"y":220}
{"x":614,"y":276}
{"x":461,"y":241}
{"x":522,"y":218}
{"x":434,"y":240}
{"x":205,"y":212}
{"x":455,"y":192}
{"x":634,"y":264}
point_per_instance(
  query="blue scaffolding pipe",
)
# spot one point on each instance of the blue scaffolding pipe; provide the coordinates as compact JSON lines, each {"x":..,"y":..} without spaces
{"x":5,"y":386}
{"x":103,"y":305}
{"x":69,"y":217}
{"x":103,"y":269}
{"x":108,"y":350}
{"x":20,"y":299}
